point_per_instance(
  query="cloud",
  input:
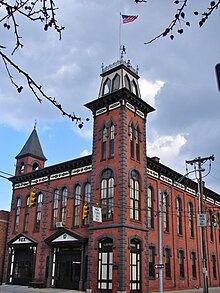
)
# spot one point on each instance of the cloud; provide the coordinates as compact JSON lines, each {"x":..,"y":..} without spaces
{"x":150,"y":89}
{"x":85,"y":153}
{"x":66,"y":71}
{"x":167,"y":148}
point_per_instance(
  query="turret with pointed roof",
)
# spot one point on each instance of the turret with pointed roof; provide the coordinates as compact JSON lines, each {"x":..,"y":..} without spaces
{"x":31,"y":157}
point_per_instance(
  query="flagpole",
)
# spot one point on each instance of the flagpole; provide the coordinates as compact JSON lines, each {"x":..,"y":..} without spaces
{"x":120,"y":37}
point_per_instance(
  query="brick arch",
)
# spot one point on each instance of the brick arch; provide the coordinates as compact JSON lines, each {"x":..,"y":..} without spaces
{"x":137,"y":238}
{"x":103,"y":237}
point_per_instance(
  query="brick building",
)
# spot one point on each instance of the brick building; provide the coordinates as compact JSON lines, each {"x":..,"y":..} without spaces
{"x":52,"y":242}
{"x":4,"y":219}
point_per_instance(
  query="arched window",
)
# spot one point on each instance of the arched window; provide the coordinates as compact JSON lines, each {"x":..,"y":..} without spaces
{"x":87,"y":196}
{"x":22,"y":167}
{"x":26,"y":215}
{"x":135,"y":266}
{"x":211,"y":226}
{"x":107,"y":195}
{"x":191,"y":219}
{"x":131,"y":134}
{"x":64,"y":204}
{"x":116,"y":82}
{"x":166,"y":211}
{"x":112,"y":141}
{"x":137,"y":138}
{"x":179,"y":210}
{"x":150,"y":208}
{"x":77,"y":205}
{"x":134,"y":196}
{"x":106,"y":86}
{"x":105,"y":264}
{"x":17,"y":214}
{"x":104,"y":140}
{"x":134,"y":87}
{"x":38,"y":211}
{"x":35,"y":166}
{"x":55,"y":207}
{"x":127,"y":82}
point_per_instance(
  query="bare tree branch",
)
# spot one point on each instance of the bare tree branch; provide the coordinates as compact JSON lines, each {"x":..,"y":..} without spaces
{"x":38,"y":10}
{"x":36,"y":89}
{"x":179,"y":19}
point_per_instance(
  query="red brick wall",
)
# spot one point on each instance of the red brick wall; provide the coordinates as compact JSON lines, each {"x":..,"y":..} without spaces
{"x":4,"y":218}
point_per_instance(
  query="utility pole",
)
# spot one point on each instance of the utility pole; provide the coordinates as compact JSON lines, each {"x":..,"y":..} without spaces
{"x":160,"y":250}
{"x":200,"y":161}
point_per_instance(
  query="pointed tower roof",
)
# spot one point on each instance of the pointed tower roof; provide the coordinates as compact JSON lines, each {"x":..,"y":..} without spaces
{"x":32,"y":147}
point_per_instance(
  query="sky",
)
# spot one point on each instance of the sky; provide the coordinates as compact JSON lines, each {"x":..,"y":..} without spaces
{"x":177,"y":78}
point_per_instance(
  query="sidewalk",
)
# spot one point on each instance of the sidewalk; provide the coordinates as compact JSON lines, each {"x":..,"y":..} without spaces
{"x":25,"y":289}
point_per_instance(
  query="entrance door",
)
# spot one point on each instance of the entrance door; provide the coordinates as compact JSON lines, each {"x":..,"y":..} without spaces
{"x":23,"y":266}
{"x":68,"y":269}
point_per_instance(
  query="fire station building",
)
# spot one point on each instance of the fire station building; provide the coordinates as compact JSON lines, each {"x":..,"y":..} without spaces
{"x":52,"y":242}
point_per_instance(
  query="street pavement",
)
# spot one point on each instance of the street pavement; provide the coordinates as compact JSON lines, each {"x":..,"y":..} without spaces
{"x":25,"y":289}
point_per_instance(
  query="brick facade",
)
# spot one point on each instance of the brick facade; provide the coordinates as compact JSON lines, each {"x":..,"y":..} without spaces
{"x":4,"y":220}
{"x":52,"y":243}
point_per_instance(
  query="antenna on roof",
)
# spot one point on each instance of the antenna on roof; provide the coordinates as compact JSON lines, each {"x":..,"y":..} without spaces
{"x":35,"y":124}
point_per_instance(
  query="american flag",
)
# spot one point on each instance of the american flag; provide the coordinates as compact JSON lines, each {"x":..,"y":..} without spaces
{"x":128,"y":18}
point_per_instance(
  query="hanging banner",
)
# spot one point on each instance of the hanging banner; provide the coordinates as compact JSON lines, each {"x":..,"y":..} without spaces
{"x":97,"y":214}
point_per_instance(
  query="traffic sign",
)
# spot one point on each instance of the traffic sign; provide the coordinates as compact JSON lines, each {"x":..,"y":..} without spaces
{"x":159,"y":266}
{"x":201,"y":220}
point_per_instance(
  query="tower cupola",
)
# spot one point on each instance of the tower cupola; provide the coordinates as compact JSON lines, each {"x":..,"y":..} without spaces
{"x":117,"y":76}
{"x":31,"y":157}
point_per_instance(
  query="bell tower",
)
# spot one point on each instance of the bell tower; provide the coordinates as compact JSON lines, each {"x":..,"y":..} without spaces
{"x":118,"y":178}
{"x":31,"y":156}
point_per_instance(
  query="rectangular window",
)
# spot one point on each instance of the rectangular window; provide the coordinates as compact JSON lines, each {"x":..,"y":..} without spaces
{"x":151,"y":262}
{"x":135,"y":271}
{"x":167,"y":263}
{"x":181,"y":264}
{"x":214,"y":267}
{"x":105,"y":266}
{"x":193,"y":257}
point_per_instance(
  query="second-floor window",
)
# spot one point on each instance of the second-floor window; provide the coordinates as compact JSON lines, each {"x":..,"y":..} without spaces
{"x":165,"y":211}
{"x":17,"y":214}
{"x":150,"y":208}
{"x":107,"y":195}
{"x":55,"y":207}
{"x":64,"y":204}
{"x":38,"y":211}
{"x":87,"y":196}
{"x":77,"y":205}
{"x":179,"y":216}
{"x":191,"y":219}
{"x":134,"y":196}
{"x":26,"y":215}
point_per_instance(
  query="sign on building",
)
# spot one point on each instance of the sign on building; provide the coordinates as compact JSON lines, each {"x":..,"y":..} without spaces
{"x":97,"y":214}
{"x":201,"y":220}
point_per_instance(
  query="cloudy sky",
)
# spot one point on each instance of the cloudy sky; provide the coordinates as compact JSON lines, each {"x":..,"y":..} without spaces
{"x":176,"y":77}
